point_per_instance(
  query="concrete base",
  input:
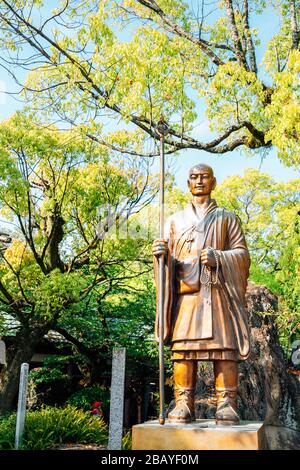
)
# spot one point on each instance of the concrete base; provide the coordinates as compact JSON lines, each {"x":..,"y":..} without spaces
{"x":202,"y":434}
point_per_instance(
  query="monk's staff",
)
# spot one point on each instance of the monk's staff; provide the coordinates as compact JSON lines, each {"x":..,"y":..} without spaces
{"x":161,"y":130}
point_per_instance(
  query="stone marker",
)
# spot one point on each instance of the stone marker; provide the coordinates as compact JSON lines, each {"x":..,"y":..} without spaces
{"x":116,"y":399}
{"x":2,"y":353}
{"x":21,"y":404}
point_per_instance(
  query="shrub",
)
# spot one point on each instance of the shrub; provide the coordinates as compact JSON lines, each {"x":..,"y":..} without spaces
{"x":7,"y":431}
{"x":50,"y":384}
{"x":50,"y":426}
{"x":127,"y":440}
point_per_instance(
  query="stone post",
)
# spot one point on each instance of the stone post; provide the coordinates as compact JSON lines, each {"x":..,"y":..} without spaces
{"x":21,"y":404}
{"x":2,"y":352}
{"x":116,"y":399}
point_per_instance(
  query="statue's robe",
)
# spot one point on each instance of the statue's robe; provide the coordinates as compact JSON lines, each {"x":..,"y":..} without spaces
{"x":205,"y":322}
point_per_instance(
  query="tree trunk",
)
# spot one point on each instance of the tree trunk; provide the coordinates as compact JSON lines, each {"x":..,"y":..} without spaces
{"x":20,"y":351}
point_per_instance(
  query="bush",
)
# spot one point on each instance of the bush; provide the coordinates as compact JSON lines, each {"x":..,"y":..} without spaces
{"x":262,"y":276}
{"x":127,"y":440}
{"x":49,"y":427}
{"x":85,"y":397}
{"x":7,"y":431}
{"x":50,"y":384}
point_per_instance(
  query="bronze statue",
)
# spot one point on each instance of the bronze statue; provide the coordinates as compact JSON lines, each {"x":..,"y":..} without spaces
{"x":206,"y":270}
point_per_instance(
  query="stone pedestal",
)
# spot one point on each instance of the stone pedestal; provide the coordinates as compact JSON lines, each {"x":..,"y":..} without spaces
{"x":202,"y":434}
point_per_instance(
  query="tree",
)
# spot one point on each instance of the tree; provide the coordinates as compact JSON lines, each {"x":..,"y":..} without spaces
{"x":91,"y":62}
{"x":289,"y":278}
{"x":266,"y":209}
{"x":107,"y":70}
{"x":64,"y":198}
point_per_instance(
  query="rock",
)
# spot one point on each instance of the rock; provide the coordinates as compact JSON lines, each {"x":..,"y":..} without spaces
{"x":281,"y":438}
{"x":267,"y":390}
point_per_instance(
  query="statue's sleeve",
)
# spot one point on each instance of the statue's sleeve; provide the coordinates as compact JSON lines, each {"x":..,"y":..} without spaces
{"x":234,"y":264}
{"x":168,"y":290}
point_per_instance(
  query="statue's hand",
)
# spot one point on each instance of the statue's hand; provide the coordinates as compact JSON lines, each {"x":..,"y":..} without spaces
{"x":160,"y":248}
{"x":207,"y":258}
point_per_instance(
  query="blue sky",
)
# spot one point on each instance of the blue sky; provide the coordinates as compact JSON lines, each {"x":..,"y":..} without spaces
{"x":224,"y":165}
{"x":233,"y":163}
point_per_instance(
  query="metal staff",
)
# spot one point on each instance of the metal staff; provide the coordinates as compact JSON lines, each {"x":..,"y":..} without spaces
{"x":161,"y":130}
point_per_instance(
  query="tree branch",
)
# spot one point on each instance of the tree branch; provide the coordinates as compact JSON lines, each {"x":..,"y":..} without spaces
{"x":294,"y":26}
{"x":17,"y":275}
{"x":252,"y":57}
{"x":181,"y":141}
{"x":7,"y":295}
{"x":78,"y":344}
{"x":235,"y":35}
{"x":174,"y":28}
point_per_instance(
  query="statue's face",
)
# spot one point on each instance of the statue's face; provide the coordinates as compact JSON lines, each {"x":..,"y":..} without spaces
{"x":201,"y":181}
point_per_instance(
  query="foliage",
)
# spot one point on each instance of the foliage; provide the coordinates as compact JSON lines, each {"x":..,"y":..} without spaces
{"x":66,"y":200}
{"x":47,"y":375}
{"x":266,"y":209}
{"x":50,"y":384}
{"x":74,"y":197}
{"x":7,"y":431}
{"x":289,"y":278}
{"x":134,"y":59}
{"x":85,"y":397}
{"x":49,"y":427}
{"x":283,"y":111}
{"x":52,"y":370}
{"x":262,"y":276}
{"x":127,"y":441}
{"x":290,"y":265}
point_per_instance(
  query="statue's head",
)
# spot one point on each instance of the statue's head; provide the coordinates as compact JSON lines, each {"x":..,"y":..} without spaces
{"x":201,"y":180}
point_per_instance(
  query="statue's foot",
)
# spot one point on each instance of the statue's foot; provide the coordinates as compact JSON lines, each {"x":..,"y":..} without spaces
{"x":181,"y":413}
{"x":226,"y":408}
{"x":226,"y":415}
